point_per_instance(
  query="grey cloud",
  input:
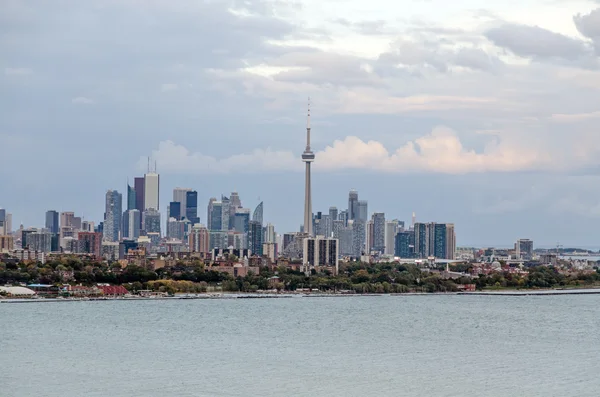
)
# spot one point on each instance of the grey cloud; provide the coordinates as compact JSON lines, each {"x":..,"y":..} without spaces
{"x":589,"y":26}
{"x":373,"y":27}
{"x":536,"y":42}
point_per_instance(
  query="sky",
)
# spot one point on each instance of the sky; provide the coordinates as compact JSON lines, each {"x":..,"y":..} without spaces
{"x":467,"y":112}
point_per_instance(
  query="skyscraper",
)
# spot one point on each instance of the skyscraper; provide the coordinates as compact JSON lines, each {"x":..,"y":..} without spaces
{"x":215,"y":212}
{"x":191,"y":207}
{"x":391,"y":229}
{"x":180,"y":196}
{"x":257,"y":216}
{"x":131,"y":197}
{"x":352,"y":204}
{"x":358,"y":238}
{"x":113,"y":212}
{"x":131,"y":224}
{"x":140,"y":189}
{"x":363,"y":213}
{"x":402,"y":242}
{"x":379,"y":232}
{"x":225,"y":208}
{"x":174,"y":210}
{"x":199,"y":239}
{"x":269,"y":233}
{"x":308,"y":157}
{"x":151,"y":191}
{"x":255,"y":238}
{"x":52,"y":221}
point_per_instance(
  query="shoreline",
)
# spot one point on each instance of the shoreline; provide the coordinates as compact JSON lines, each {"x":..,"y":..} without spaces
{"x":230,"y":296}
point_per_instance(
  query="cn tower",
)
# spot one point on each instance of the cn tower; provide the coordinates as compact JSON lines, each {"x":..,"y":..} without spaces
{"x":308,"y":157}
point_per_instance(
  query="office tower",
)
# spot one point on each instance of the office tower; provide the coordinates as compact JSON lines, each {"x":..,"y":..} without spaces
{"x":241,"y":223}
{"x":90,"y":243}
{"x":255,"y":238}
{"x":174,"y":210}
{"x":352,"y":205}
{"x":199,"y":239}
{"x":358,"y":238}
{"x":191,"y":207}
{"x":402,"y":244}
{"x":363,"y":213}
{"x":343,"y":216}
{"x":234,"y":203}
{"x":346,"y":240}
{"x":333,"y":213}
{"x":326,"y":225}
{"x":218,"y":239}
{"x":66,"y":219}
{"x":131,"y":224}
{"x":180,"y":196}
{"x":225,"y":207}
{"x":439,"y":240}
{"x":209,"y":211}
{"x":151,"y":191}
{"x":379,"y":232}
{"x":131,"y":197}
{"x":150,"y":221}
{"x":308,"y":157}
{"x":113,"y":212}
{"x":318,"y":224}
{"x":25,"y":237}
{"x":320,"y":251}
{"x":215,"y":215}
{"x":421,"y":240}
{"x":77,"y":222}
{"x":369,"y":237}
{"x":391,"y":229}
{"x":139,"y":186}
{"x":269,"y":234}
{"x":257,"y":216}
{"x":5,"y":223}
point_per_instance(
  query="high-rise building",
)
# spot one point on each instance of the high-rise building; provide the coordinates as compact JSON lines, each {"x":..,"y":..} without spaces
{"x":199,"y":239}
{"x":363,"y":213}
{"x":346,"y":241}
{"x":337,"y":226}
{"x":191,"y":207}
{"x":175,"y":229}
{"x":343,"y":216}
{"x":524,"y":249}
{"x":234,"y":203}
{"x":308,"y":157}
{"x":333,"y":214}
{"x":241,"y":223}
{"x":139,"y":185}
{"x":112,"y":214}
{"x":391,"y":229}
{"x":434,"y":239}
{"x":257,"y":216}
{"x":131,"y":197}
{"x":40,"y":241}
{"x":174,"y":210}
{"x":369,"y":237}
{"x":151,"y":191}
{"x":7,"y":243}
{"x":269,"y":234}
{"x":225,"y":207}
{"x":215,"y":215}
{"x":379,"y":232}
{"x":52,"y":221}
{"x":320,"y":251}
{"x":451,"y":241}
{"x":150,"y":221}
{"x":255,"y":238}
{"x":403,"y":247}
{"x":66,"y":219}
{"x":131,"y":224}
{"x":352,"y":205}
{"x":421,"y":245}
{"x":358,"y":238}
{"x":90,"y":243}
{"x":180,"y":196}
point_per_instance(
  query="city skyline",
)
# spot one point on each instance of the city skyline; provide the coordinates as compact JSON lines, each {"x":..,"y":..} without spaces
{"x":449,"y":115}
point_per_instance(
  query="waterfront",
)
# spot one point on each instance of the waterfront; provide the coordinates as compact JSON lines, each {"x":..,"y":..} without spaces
{"x":431,"y":345}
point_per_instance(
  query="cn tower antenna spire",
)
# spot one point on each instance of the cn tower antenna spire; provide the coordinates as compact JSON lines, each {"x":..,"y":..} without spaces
{"x":308,"y":157}
{"x":308,"y":127}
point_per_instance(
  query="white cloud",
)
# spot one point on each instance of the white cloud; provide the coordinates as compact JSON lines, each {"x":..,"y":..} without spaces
{"x":17,"y":71}
{"x":441,"y":151}
{"x":81,"y":100}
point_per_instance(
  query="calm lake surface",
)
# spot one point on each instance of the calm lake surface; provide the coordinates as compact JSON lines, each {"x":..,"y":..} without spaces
{"x":352,"y":346}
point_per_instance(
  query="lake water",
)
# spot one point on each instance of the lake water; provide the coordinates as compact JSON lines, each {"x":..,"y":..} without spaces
{"x":351,"y":346}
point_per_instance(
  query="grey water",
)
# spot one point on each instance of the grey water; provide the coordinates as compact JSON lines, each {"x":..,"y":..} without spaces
{"x":433,"y":345}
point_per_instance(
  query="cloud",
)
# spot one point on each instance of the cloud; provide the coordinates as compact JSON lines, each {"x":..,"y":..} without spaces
{"x":17,"y":71}
{"x":573,"y":118}
{"x":441,"y":151}
{"x":535,"y":42}
{"x":81,"y":100}
{"x":589,"y":26}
